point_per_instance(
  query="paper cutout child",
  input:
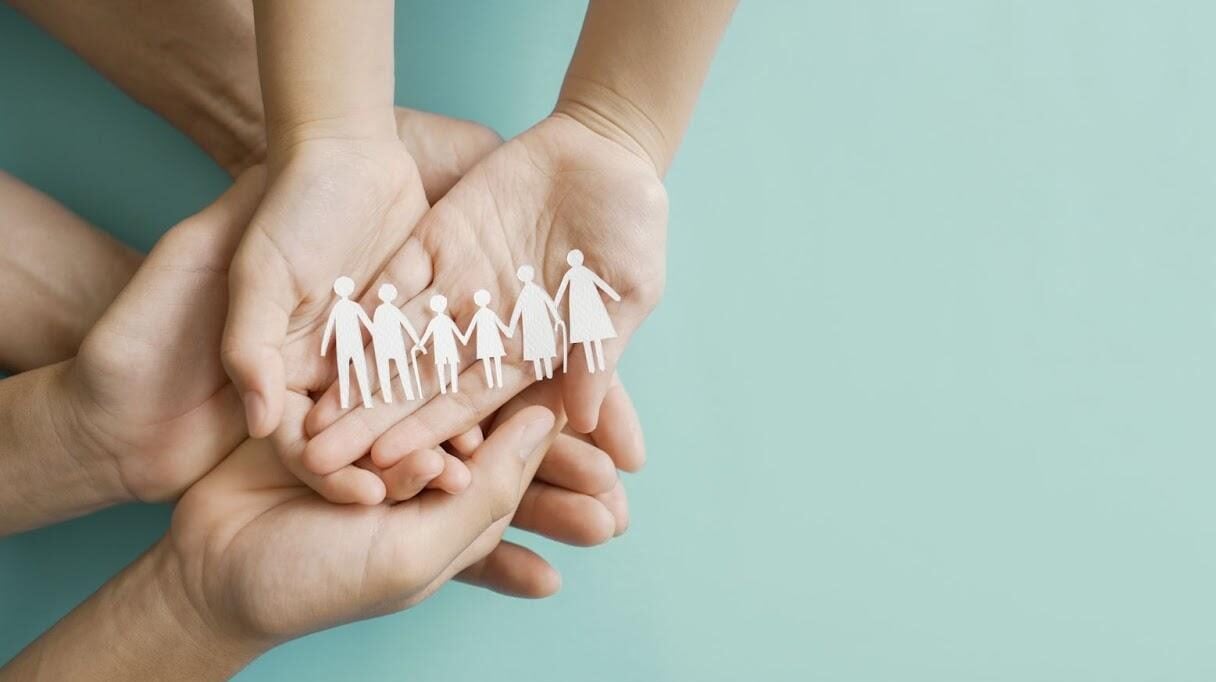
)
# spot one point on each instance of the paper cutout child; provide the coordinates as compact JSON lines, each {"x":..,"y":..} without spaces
{"x":444,"y":332}
{"x":489,"y":342}
{"x":533,"y":308}
{"x":589,"y":321}
{"x":343,"y":322}
{"x":389,"y":345}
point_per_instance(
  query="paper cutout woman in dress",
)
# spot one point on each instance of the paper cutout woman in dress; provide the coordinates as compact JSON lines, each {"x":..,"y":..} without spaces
{"x":343,"y":323}
{"x":489,"y":342}
{"x":387,"y":324}
{"x":444,"y":332}
{"x":589,"y":321}
{"x":540,"y":319}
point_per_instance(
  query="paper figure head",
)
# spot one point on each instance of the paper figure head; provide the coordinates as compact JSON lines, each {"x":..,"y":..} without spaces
{"x":481,"y":297}
{"x":344,"y":286}
{"x":439,"y":303}
{"x":525,"y":273}
{"x":387,"y":293}
{"x":574,"y":258}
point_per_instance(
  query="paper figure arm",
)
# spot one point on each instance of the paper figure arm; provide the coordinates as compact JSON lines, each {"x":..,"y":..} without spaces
{"x":367,"y":321}
{"x":561,"y":288}
{"x":329,"y":328}
{"x":604,"y":285}
{"x":426,"y":334}
{"x":557,"y":314}
{"x":515,"y":314}
{"x":468,"y":333}
{"x":509,"y":332}
{"x":463,"y":337}
{"x":409,"y":328}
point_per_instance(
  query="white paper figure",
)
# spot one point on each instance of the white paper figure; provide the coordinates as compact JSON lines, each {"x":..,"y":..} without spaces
{"x":589,"y":321}
{"x":387,"y":324}
{"x":487,"y":324}
{"x":541,"y":319}
{"x":443,"y":331}
{"x":343,"y":322}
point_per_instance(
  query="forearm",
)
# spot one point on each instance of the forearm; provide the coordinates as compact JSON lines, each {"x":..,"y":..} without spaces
{"x":139,"y":626}
{"x":326,"y":70}
{"x":638,"y":68}
{"x":192,"y":62}
{"x":46,"y":473}
{"x":63,"y":274}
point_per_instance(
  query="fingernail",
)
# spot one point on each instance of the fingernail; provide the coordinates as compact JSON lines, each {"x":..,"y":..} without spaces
{"x":255,"y":411}
{"x":534,"y":433}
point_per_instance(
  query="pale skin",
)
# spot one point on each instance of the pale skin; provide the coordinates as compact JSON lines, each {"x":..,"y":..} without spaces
{"x":589,"y":176}
{"x":57,"y":293}
{"x":217,"y":84}
{"x":198,"y":68}
{"x":215,"y":592}
{"x":97,"y":429}
{"x":184,"y":665}
{"x":61,"y":472}
{"x":335,"y":167}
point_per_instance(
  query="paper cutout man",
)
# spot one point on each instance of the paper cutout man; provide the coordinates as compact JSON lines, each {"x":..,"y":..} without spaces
{"x":540,"y":319}
{"x":487,"y":324}
{"x":589,"y":321}
{"x":444,"y":332}
{"x":387,"y":324}
{"x":343,"y":322}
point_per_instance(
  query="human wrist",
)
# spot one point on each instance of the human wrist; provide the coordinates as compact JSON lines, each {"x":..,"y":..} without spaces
{"x":290,"y":138}
{"x":182,"y":605}
{"x":374,"y":167}
{"x":75,"y":421}
{"x":605,"y":111}
{"x":47,"y":472}
{"x":142,"y":624}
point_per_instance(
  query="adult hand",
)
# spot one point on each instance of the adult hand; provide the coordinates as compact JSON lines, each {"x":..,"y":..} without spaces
{"x":266,"y":559}
{"x":254,"y":558}
{"x":147,"y":387}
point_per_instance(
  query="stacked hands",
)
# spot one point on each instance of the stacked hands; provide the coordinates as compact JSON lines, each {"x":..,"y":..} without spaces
{"x":212,"y":378}
{"x":148,"y":381}
{"x":555,"y":188}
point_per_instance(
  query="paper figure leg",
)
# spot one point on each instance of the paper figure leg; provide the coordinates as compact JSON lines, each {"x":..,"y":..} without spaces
{"x":455,"y":377}
{"x":344,"y":382}
{"x":548,"y":368}
{"x":590,"y":359}
{"x":599,"y":354}
{"x":361,"y":377}
{"x":488,"y":367}
{"x":498,"y":370}
{"x":440,"y":375}
{"x":403,"y":375}
{"x":417,"y":378}
{"x":536,"y":366}
{"x":386,"y":384}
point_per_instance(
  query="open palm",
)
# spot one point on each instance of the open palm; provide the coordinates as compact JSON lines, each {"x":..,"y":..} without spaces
{"x":557,"y":187}
{"x":269,"y":559}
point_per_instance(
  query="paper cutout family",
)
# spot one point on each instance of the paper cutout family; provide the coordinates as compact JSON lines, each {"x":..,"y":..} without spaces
{"x":537,"y":313}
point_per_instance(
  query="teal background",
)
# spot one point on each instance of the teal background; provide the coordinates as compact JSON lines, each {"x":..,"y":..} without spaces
{"x":957,"y":423}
